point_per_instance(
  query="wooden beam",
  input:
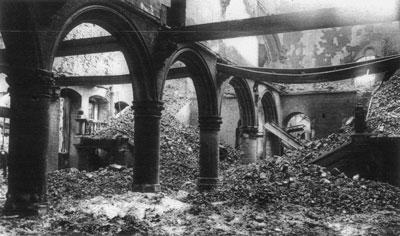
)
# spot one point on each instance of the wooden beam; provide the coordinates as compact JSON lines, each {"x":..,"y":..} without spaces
{"x":281,"y":23}
{"x":87,"y":46}
{"x":280,"y":133}
{"x":178,"y":73}
{"x":92,"y":80}
{"x":175,"y":73}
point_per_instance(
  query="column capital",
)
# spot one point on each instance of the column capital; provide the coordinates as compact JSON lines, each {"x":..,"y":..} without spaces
{"x":148,"y":108}
{"x":32,"y":82}
{"x":252,"y":131}
{"x":212,"y":123}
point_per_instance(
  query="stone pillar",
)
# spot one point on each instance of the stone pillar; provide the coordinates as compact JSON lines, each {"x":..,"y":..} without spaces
{"x":248,"y":145}
{"x":260,"y":145}
{"x":31,"y":93}
{"x":147,"y":146}
{"x":209,"y":152}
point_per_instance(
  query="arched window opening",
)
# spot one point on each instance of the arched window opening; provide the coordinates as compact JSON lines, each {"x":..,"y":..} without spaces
{"x":98,"y":108}
{"x":119,"y":106}
{"x":299,"y":126}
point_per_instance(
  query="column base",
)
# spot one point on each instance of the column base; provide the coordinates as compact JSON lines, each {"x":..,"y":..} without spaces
{"x":207,"y":184}
{"x":25,"y":209}
{"x":146,"y":188}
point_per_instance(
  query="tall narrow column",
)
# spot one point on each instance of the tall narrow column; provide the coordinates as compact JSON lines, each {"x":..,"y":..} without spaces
{"x":260,"y":145}
{"x":147,"y":146}
{"x":209,"y":152}
{"x":248,"y":145}
{"x":31,"y":93}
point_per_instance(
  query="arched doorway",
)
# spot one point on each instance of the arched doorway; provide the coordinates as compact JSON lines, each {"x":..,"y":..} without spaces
{"x":70,"y":104}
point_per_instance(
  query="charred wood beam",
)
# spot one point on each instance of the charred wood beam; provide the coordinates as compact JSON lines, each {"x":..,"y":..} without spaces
{"x":175,"y":73}
{"x":92,"y":80}
{"x":87,"y":46}
{"x":281,"y":23}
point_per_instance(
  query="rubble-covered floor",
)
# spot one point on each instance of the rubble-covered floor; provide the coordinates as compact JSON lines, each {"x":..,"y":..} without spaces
{"x":258,"y":199}
{"x":280,"y":196}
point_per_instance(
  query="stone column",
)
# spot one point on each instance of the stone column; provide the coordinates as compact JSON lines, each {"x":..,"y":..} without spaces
{"x":260,"y":145}
{"x":248,"y":145}
{"x":147,"y":146}
{"x":209,"y":152}
{"x":31,"y":93}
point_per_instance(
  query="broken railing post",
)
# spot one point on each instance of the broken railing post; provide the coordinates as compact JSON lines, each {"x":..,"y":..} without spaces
{"x":209,"y":152}
{"x":147,"y":146}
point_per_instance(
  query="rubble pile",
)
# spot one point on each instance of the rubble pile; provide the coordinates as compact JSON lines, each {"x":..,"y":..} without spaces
{"x":318,"y":147}
{"x":179,"y":153}
{"x":122,"y":125}
{"x":384,"y":111}
{"x":282,"y":181}
{"x":75,"y":184}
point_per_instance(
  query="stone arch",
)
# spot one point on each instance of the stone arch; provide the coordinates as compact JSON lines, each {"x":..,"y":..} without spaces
{"x":243,"y":106}
{"x":201,"y":76}
{"x":120,"y":26}
{"x":68,"y":92}
{"x":245,"y":101}
{"x":209,"y":120}
{"x":268,"y":112}
{"x":269,"y":107}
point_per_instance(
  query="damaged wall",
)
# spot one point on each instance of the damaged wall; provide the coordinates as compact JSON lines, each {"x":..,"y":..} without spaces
{"x":327,"y":110}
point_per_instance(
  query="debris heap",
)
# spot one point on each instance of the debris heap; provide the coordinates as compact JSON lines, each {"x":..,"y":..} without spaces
{"x":384,"y":112}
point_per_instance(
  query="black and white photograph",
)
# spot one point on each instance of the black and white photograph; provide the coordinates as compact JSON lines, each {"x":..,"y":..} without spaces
{"x":200,"y":117}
